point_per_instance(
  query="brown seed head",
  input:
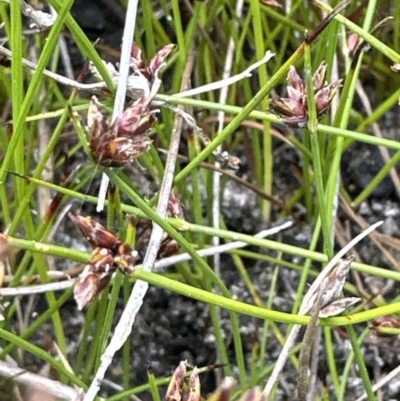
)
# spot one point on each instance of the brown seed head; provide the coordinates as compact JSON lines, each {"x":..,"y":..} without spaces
{"x":194,"y":387}
{"x":89,"y":285}
{"x":109,"y":255}
{"x":223,"y":392}
{"x":175,"y":386}
{"x":96,"y":234}
{"x":136,"y":120}
{"x":293,"y":109}
{"x":125,"y":139}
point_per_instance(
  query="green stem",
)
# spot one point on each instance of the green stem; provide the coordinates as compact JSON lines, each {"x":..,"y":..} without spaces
{"x":359,"y":357}
{"x":318,"y":173}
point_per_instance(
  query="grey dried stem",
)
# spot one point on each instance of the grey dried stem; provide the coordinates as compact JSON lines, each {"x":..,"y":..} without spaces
{"x":305,"y":307}
{"x":382,"y":382}
{"x":36,"y":383}
{"x":327,"y":293}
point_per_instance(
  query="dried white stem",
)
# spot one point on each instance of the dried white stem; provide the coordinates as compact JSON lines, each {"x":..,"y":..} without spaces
{"x":226,"y":82}
{"x":127,"y":40}
{"x":305,"y":307}
{"x":386,"y":379}
{"x":53,"y":389}
{"x":119,"y":103}
{"x":96,"y":87}
{"x":216,"y":204}
{"x":36,"y":289}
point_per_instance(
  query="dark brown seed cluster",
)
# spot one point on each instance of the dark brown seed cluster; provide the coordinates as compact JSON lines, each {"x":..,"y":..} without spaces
{"x":293,"y":109}
{"x":175,"y":391}
{"x":126,"y":139}
{"x":122,"y":141}
{"x":151,"y":70}
{"x":178,"y":392}
{"x":110,"y":254}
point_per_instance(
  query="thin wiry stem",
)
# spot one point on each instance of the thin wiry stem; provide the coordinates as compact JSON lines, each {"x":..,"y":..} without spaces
{"x":228,"y":81}
{"x":158,"y":266}
{"x":216,"y":201}
{"x":94,"y":88}
{"x":99,"y":86}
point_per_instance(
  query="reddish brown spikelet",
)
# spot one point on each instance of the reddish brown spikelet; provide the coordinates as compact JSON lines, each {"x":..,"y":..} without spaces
{"x":159,"y":59}
{"x":125,"y":259}
{"x":325,"y":95}
{"x":109,"y":255}
{"x":175,"y":386}
{"x":293,"y":109}
{"x":319,"y":77}
{"x":95,"y":277}
{"x":151,"y":70}
{"x":122,"y":142}
{"x":96,"y":120}
{"x":136,"y":120}
{"x":89,"y":285}
{"x":168,"y":247}
{"x":96,"y":234}
{"x":193,"y":393}
{"x":136,"y":57}
{"x":102,"y":260}
{"x":296,"y":86}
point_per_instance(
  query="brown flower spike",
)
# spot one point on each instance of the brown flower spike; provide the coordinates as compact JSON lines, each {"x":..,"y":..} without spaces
{"x":143,"y":79}
{"x":293,"y":109}
{"x":123,"y":141}
{"x":146,"y":76}
{"x":110,"y":254}
{"x":177,"y":391}
{"x":151,"y":70}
